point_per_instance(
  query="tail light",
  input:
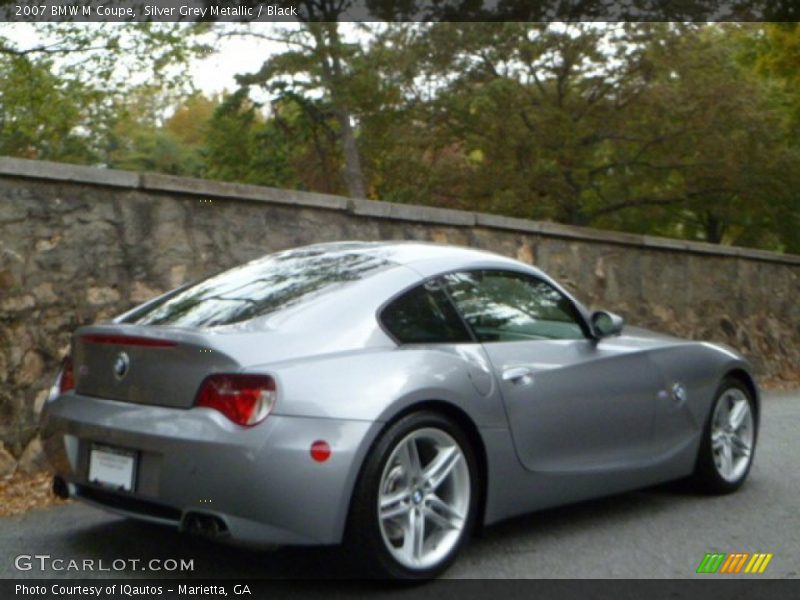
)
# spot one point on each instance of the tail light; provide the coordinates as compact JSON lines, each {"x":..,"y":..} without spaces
{"x":127,"y":340}
{"x":66,"y":380}
{"x":244,"y":399}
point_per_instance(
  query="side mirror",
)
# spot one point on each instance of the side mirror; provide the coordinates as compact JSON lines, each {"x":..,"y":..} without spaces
{"x":606,"y":324}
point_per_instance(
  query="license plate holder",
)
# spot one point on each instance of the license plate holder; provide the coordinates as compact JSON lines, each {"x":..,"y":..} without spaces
{"x":112,"y":467}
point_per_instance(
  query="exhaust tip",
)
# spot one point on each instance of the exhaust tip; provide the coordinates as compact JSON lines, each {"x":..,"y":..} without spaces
{"x":60,"y":487}
{"x":204,"y":525}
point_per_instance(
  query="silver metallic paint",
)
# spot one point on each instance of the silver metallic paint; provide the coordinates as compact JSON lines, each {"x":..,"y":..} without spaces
{"x":591,"y":417}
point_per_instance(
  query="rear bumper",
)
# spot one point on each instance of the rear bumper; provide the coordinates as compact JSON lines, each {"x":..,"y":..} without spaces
{"x":259,"y":483}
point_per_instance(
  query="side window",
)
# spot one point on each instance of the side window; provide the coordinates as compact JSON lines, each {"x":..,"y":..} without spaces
{"x":504,"y":306}
{"x":424,"y":315}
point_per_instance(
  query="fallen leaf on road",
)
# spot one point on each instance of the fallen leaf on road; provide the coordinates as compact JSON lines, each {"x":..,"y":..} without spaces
{"x":20,"y":493}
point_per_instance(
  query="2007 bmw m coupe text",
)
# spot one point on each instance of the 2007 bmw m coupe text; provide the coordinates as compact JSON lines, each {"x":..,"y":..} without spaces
{"x":392,"y":396}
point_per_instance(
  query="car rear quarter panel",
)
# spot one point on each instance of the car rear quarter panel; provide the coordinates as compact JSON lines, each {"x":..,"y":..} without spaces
{"x":375,"y":385}
{"x":378,"y":385}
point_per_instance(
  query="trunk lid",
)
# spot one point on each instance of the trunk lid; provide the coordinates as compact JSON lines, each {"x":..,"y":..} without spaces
{"x":145,"y":365}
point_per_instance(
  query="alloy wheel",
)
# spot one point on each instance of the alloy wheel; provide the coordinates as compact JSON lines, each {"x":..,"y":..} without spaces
{"x":424,"y":498}
{"x":732,"y":435}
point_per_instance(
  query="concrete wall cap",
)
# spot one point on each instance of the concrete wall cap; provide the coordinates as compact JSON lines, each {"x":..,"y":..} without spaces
{"x":424,"y":215}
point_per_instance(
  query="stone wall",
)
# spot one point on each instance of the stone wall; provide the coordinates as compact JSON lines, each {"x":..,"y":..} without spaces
{"x":78,"y":245}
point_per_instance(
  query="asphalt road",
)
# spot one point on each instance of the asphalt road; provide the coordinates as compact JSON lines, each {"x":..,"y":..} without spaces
{"x":657,"y":533}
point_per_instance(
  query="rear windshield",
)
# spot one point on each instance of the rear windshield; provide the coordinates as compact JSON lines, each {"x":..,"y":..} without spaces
{"x":260,"y":288}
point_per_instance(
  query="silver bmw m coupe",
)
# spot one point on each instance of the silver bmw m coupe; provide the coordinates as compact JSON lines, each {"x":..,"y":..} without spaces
{"x":390,"y":396}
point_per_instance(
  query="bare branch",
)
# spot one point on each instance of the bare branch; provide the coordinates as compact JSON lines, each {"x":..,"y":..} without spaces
{"x":56,"y":48}
{"x":262,"y":36}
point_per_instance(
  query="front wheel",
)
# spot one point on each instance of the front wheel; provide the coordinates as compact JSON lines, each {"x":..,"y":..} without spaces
{"x":729,"y":440}
{"x":414,"y":504}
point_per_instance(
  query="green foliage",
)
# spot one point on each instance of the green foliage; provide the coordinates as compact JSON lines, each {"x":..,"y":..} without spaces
{"x":776,"y":55}
{"x":653,"y":128}
{"x":288,"y":149}
{"x":39,"y":113}
{"x":65,"y":92}
{"x":233,"y":142}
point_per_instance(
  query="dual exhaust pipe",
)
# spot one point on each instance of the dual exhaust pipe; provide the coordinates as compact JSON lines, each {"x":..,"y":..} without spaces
{"x":193,"y":523}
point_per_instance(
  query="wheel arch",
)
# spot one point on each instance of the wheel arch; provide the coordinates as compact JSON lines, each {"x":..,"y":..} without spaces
{"x":467,"y":425}
{"x":748,"y":381}
{"x":705,"y":475}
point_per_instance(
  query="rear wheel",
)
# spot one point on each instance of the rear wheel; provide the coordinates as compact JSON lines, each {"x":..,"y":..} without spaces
{"x":414,"y":505}
{"x":729,"y":440}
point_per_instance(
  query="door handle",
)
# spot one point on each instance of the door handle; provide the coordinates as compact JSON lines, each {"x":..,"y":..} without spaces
{"x":518,"y":376}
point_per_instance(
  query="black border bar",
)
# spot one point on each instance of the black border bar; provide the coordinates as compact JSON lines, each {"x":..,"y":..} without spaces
{"x":562,"y":589}
{"x":398,"y":10}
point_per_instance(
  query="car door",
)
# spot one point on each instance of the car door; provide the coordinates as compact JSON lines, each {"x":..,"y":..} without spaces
{"x":574,"y":404}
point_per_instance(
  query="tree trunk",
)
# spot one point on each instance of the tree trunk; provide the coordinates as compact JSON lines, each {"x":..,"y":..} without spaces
{"x":326,"y":36}
{"x":353,"y":176}
{"x":714,"y":229}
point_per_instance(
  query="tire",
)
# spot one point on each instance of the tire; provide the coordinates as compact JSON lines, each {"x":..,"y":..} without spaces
{"x":438,"y":502}
{"x":726,"y":450}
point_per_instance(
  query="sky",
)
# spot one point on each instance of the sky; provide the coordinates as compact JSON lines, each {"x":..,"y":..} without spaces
{"x":233,"y":55}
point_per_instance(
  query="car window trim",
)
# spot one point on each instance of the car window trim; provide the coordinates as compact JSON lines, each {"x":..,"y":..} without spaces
{"x":441,"y":283}
{"x":379,"y":314}
{"x":582,"y":323}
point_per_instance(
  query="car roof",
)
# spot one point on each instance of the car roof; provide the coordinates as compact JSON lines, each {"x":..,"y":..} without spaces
{"x":427,"y":258}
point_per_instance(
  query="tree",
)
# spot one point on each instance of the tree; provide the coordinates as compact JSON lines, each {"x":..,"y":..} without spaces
{"x":61,"y":92}
{"x":40,"y":114}
{"x":773,"y":52}
{"x":142,"y":136}
{"x":282,"y":148}
{"x":317,"y":62}
{"x":536,"y":110}
{"x":234,"y":145}
{"x":643,"y":127}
